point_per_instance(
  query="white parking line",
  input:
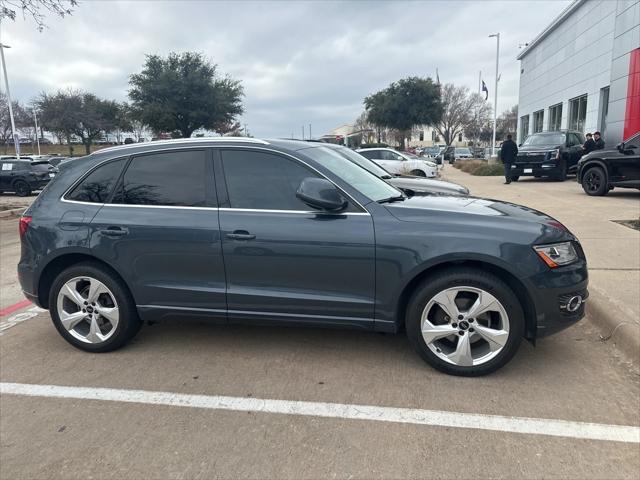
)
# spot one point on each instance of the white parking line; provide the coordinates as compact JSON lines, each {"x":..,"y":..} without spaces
{"x":534,"y":426}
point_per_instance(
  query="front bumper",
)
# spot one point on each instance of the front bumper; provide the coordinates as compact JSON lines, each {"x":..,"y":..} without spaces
{"x":544,"y":169}
{"x":560,"y":297}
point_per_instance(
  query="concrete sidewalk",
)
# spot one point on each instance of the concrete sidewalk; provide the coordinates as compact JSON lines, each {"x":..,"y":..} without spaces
{"x":613,"y":250}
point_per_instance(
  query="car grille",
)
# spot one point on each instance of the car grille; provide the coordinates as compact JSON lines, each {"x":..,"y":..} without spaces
{"x":531,"y":157}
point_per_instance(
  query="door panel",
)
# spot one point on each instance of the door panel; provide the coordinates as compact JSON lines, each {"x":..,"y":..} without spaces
{"x":170,"y":256}
{"x":299,"y":267}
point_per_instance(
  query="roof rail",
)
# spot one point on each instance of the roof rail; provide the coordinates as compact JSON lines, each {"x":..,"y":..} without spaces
{"x":186,"y":140}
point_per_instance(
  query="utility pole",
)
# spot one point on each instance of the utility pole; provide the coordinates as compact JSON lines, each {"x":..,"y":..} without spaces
{"x":495,"y":103}
{"x":480,"y":82}
{"x":35,"y":119}
{"x":16,"y":140}
{"x":302,"y":132}
{"x":309,"y":131}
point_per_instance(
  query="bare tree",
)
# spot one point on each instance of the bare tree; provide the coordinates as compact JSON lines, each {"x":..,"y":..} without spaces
{"x":36,"y":9}
{"x":479,"y":118}
{"x":458,"y":106}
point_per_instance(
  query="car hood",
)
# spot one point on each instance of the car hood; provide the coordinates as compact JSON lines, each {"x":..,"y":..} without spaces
{"x":422,"y":186}
{"x":538,"y":148}
{"x":482,"y":212}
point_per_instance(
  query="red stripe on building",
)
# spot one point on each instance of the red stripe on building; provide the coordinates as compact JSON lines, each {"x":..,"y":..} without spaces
{"x":632,"y":114}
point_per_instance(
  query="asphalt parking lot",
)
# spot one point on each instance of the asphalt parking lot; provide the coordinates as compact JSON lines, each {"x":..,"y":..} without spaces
{"x":458,"y":428}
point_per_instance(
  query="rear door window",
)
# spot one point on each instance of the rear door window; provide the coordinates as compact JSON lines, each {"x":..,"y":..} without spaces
{"x":169,"y":179}
{"x":97,"y":186}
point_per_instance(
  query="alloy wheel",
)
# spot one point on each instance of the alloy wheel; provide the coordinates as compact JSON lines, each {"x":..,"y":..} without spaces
{"x":465,"y":326}
{"x":88,"y":310}
{"x":593,"y":181}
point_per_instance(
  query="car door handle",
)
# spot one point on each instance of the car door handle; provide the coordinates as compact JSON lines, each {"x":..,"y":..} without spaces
{"x":113,"y":231}
{"x":240,"y":235}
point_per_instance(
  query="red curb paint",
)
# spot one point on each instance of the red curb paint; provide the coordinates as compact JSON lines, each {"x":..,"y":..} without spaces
{"x":15,"y":307}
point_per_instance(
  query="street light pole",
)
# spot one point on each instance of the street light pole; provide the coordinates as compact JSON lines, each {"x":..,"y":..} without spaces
{"x":16,"y":140}
{"x":35,"y":119}
{"x":495,"y":103}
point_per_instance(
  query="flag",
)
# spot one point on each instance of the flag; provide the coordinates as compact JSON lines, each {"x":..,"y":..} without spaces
{"x":437,"y":77}
{"x":485,"y":90}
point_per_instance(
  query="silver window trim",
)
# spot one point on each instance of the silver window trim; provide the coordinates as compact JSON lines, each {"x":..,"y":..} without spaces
{"x":200,"y":147}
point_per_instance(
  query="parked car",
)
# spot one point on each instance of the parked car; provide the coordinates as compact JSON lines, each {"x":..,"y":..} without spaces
{"x":409,"y":184}
{"x":24,"y":176}
{"x":549,"y":154}
{"x":431,"y":152}
{"x":602,"y":170}
{"x":462,"y":152}
{"x":285,"y":232}
{"x":400,"y":162}
{"x":55,"y":160}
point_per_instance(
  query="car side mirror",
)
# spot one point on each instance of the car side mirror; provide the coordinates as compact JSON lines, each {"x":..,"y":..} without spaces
{"x":620,"y":147}
{"x":320,"y":193}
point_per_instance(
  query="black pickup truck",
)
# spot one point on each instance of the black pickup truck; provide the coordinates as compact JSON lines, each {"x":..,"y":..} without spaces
{"x":549,"y":154}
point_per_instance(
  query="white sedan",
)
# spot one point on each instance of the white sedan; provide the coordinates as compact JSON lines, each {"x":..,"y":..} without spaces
{"x":400,"y":162}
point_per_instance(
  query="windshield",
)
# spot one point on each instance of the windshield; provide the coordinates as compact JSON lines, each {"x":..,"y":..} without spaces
{"x":545,"y":139}
{"x":362,"y":180}
{"x":364,"y":162}
{"x":432,"y":150}
{"x":463,"y":150}
{"x":40,"y":166}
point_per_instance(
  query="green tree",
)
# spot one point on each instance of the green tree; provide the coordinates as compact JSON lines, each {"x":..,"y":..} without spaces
{"x":20,"y":115}
{"x":404,"y":104}
{"x":184,"y":92}
{"x":70,"y":112}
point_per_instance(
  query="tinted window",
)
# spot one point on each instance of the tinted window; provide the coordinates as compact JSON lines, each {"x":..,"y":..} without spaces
{"x":387,"y":155}
{"x":171,"y":179}
{"x":263,"y":181}
{"x":97,"y":186}
{"x":369,"y":154}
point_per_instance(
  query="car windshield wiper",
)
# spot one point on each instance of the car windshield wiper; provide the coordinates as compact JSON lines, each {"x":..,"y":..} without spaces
{"x":398,"y":198}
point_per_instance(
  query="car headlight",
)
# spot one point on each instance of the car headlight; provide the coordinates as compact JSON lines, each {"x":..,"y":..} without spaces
{"x":430,"y":164}
{"x":557,"y":254}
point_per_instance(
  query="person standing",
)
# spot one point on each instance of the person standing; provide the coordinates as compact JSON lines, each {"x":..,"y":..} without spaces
{"x":599,"y":143}
{"x":589,"y":146}
{"x":508,"y":154}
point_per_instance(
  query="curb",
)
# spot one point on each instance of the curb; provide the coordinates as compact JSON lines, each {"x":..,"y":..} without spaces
{"x":16,"y":212}
{"x":616,"y":325}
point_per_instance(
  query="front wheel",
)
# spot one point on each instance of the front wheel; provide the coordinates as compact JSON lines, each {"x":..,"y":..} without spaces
{"x":465,"y":322}
{"x":515,"y":178}
{"x":562,"y":174}
{"x":92,"y":309}
{"x":418,"y":173}
{"x":594,"y":182}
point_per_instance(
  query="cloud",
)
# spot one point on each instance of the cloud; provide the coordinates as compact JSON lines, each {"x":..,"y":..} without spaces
{"x":300,"y":62}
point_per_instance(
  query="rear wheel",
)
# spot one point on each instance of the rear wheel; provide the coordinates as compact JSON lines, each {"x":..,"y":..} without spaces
{"x":418,"y":173}
{"x":21,"y":188}
{"x":465,"y":322}
{"x":594,"y":182}
{"x":92,"y":309}
{"x":515,"y":178}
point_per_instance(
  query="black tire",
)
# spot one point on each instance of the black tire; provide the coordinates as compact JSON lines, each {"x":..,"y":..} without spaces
{"x":21,"y":188}
{"x":515,"y":178}
{"x":418,"y":173}
{"x":594,"y":182}
{"x":468,"y":277}
{"x":128,"y":324}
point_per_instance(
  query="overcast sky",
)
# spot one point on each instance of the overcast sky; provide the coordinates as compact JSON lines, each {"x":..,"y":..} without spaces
{"x":300,"y":62}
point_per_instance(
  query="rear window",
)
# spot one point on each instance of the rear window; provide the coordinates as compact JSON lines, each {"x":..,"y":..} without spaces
{"x":97,"y":186}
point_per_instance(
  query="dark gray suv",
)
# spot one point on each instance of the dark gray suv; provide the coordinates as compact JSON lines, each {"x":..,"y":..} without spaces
{"x":291,"y":233}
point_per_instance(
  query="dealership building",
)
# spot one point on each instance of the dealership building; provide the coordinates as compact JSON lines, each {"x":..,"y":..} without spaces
{"x":582,"y":72}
